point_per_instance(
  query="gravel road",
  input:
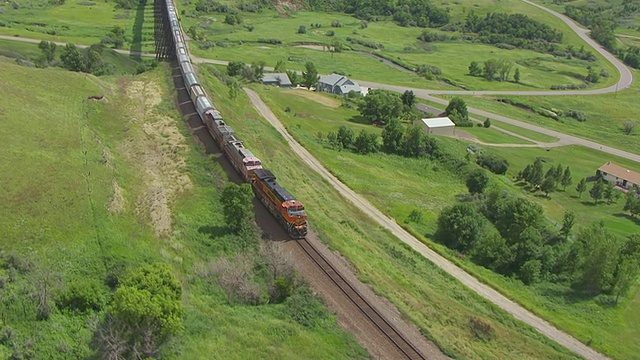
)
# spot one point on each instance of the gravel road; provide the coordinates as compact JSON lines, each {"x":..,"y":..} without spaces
{"x":483,"y":290}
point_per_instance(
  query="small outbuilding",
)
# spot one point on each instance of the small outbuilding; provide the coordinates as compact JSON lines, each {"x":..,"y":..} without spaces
{"x":439,"y":126}
{"x":278,"y":79}
{"x":619,"y":176}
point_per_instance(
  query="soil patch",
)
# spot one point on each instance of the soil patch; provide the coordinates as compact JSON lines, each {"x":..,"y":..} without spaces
{"x":117,"y":200}
{"x":157,"y":147}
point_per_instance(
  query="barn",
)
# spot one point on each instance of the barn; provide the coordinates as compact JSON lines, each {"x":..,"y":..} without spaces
{"x":439,"y":126}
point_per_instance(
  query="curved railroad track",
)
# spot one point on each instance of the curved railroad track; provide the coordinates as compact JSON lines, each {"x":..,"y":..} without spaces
{"x":403,"y":345}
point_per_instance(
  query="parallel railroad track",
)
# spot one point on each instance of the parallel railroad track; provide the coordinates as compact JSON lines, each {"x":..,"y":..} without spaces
{"x":402,"y":344}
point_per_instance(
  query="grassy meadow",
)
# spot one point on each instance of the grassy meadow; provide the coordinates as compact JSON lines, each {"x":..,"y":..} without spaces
{"x":80,"y":188}
{"x":398,"y":186}
{"x":80,"y":22}
{"x":538,"y":71}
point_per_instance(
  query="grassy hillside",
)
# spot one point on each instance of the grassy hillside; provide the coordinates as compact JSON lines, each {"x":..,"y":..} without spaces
{"x":93,"y":189}
{"x":397,"y":186}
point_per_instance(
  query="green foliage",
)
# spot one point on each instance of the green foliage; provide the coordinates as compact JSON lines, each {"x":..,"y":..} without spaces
{"x":632,"y":202}
{"x":416,"y":216}
{"x":48,"y":50}
{"x":381,"y":106}
{"x":516,"y":75}
{"x":495,"y":163}
{"x":127,"y":4}
{"x":581,"y":187}
{"x":548,"y":184}
{"x":366,"y":143}
{"x":83,"y":295}
{"x":346,"y":137}
{"x":235,"y":67}
{"x":392,"y":137}
{"x":306,"y":309}
{"x":487,"y":123}
{"x":592,"y":76}
{"x":458,"y":105}
{"x":568,"y":221}
{"x":72,"y":59}
{"x":310,"y":75}
{"x":475,"y":69}
{"x":408,"y":98}
{"x":233,"y":19}
{"x":302,"y":29}
{"x":460,"y":226}
{"x":566,"y":179}
{"x":477,"y":181}
{"x":597,"y":191}
{"x":281,"y":67}
{"x":530,"y":271}
{"x":598,"y":254}
{"x":237,"y":206}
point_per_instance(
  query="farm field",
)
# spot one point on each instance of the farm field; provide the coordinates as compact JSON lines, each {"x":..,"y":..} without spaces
{"x":398,"y":186}
{"x":439,"y":306}
{"x":237,"y":42}
{"x":107,"y":186}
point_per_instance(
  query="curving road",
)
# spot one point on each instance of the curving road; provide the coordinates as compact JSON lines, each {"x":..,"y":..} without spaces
{"x":481,"y":289}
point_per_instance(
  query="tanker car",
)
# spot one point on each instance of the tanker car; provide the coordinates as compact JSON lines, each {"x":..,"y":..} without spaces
{"x":284,"y":206}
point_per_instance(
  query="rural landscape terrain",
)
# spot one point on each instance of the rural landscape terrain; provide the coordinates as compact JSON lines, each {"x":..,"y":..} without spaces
{"x":126,"y":232}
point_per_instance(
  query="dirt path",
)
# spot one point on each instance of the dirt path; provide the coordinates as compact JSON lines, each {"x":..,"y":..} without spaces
{"x":481,"y":289}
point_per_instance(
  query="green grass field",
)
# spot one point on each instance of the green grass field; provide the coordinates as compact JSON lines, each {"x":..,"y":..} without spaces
{"x":398,"y":185}
{"x":79,"y":189}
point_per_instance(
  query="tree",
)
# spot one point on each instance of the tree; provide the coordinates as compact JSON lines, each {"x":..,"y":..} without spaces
{"x":491,"y":68}
{"x":516,"y":75}
{"x":408,"y":98}
{"x":477,"y":181}
{"x":72,"y":59}
{"x":148,"y":301}
{"x":460,"y":106}
{"x":598,"y":253}
{"x":235,"y":67}
{"x":629,"y":126}
{"x":548,"y":185}
{"x":237,"y":205}
{"x":475,"y":69}
{"x":581,"y":187}
{"x":392,"y":137}
{"x":234,"y":89}
{"x":346,"y":137}
{"x":610,"y":193}
{"x":566,"y":179}
{"x":593,"y":76}
{"x":48,"y":50}
{"x":460,"y":226}
{"x":597,"y":191}
{"x":310,"y":75}
{"x":495,"y":163}
{"x":568,"y":221}
{"x":281,"y":67}
{"x":558,"y":172}
{"x":295,"y":78}
{"x":302,"y":29}
{"x":504,"y":68}
{"x":380,"y":105}
{"x":536,"y":175}
{"x":366,"y":143}
{"x":487,"y":123}
{"x":529,"y":272}
{"x":632,"y":202}
{"x":258,"y":70}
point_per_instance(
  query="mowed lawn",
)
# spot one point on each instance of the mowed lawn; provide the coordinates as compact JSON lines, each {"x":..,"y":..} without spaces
{"x":397,"y":186}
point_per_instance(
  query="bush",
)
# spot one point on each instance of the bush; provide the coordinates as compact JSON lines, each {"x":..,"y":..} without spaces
{"x":481,"y":329}
{"x":302,"y":29}
{"x":306,"y":309}
{"x":494,"y":163}
{"x":83,"y":296}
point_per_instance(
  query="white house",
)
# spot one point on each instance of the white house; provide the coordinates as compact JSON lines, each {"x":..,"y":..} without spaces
{"x":439,"y":126}
{"x":619,"y":176}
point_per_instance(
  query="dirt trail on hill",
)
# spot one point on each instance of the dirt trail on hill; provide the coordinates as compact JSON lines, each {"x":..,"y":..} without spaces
{"x":481,"y":289}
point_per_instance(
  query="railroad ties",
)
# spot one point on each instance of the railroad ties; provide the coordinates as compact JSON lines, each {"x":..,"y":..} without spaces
{"x":402,"y":344}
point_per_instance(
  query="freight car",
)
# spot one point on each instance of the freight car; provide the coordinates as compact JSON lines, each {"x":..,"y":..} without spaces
{"x":284,"y":206}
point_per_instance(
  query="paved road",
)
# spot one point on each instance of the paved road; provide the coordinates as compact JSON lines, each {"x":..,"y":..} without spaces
{"x":481,"y":289}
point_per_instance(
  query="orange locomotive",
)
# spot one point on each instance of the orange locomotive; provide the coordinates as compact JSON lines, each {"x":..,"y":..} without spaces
{"x":284,"y":206}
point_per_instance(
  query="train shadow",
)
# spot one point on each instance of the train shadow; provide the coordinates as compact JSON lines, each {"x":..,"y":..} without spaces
{"x":136,"y":41}
{"x":271,"y":229}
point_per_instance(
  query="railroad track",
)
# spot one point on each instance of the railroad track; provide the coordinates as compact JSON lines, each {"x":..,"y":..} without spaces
{"x":402,"y":344}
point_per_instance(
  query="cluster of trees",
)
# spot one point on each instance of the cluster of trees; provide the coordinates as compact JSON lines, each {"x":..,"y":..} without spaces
{"x":510,"y":236}
{"x":255,"y":72}
{"x":86,"y":60}
{"x":604,"y":190}
{"x":251,"y":73}
{"x":493,"y":162}
{"x":421,"y":13}
{"x":534,"y":175}
{"x":115,"y":37}
{"x":632,"y":203}
{"x":458,"y":113}
{"x":494,"y":69}
{"x":511,"y":31}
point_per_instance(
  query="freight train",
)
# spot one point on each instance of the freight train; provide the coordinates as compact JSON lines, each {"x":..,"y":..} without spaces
{"x":281,"y":203}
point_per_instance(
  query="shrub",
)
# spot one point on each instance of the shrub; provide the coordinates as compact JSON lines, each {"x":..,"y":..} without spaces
{"x":481,"y":329}
{"x":306,"y":309}
{"x":302,"y":29}
{"x":83,"y":296}
{"x":494,"y":163}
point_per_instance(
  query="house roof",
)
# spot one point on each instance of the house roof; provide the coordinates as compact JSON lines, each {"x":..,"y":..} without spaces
{"x":619,"y":171}
{"x":438,"y":122}
{"x":280,"y":78}
{"x":338,"y":80}
{"x":349,"y":88}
